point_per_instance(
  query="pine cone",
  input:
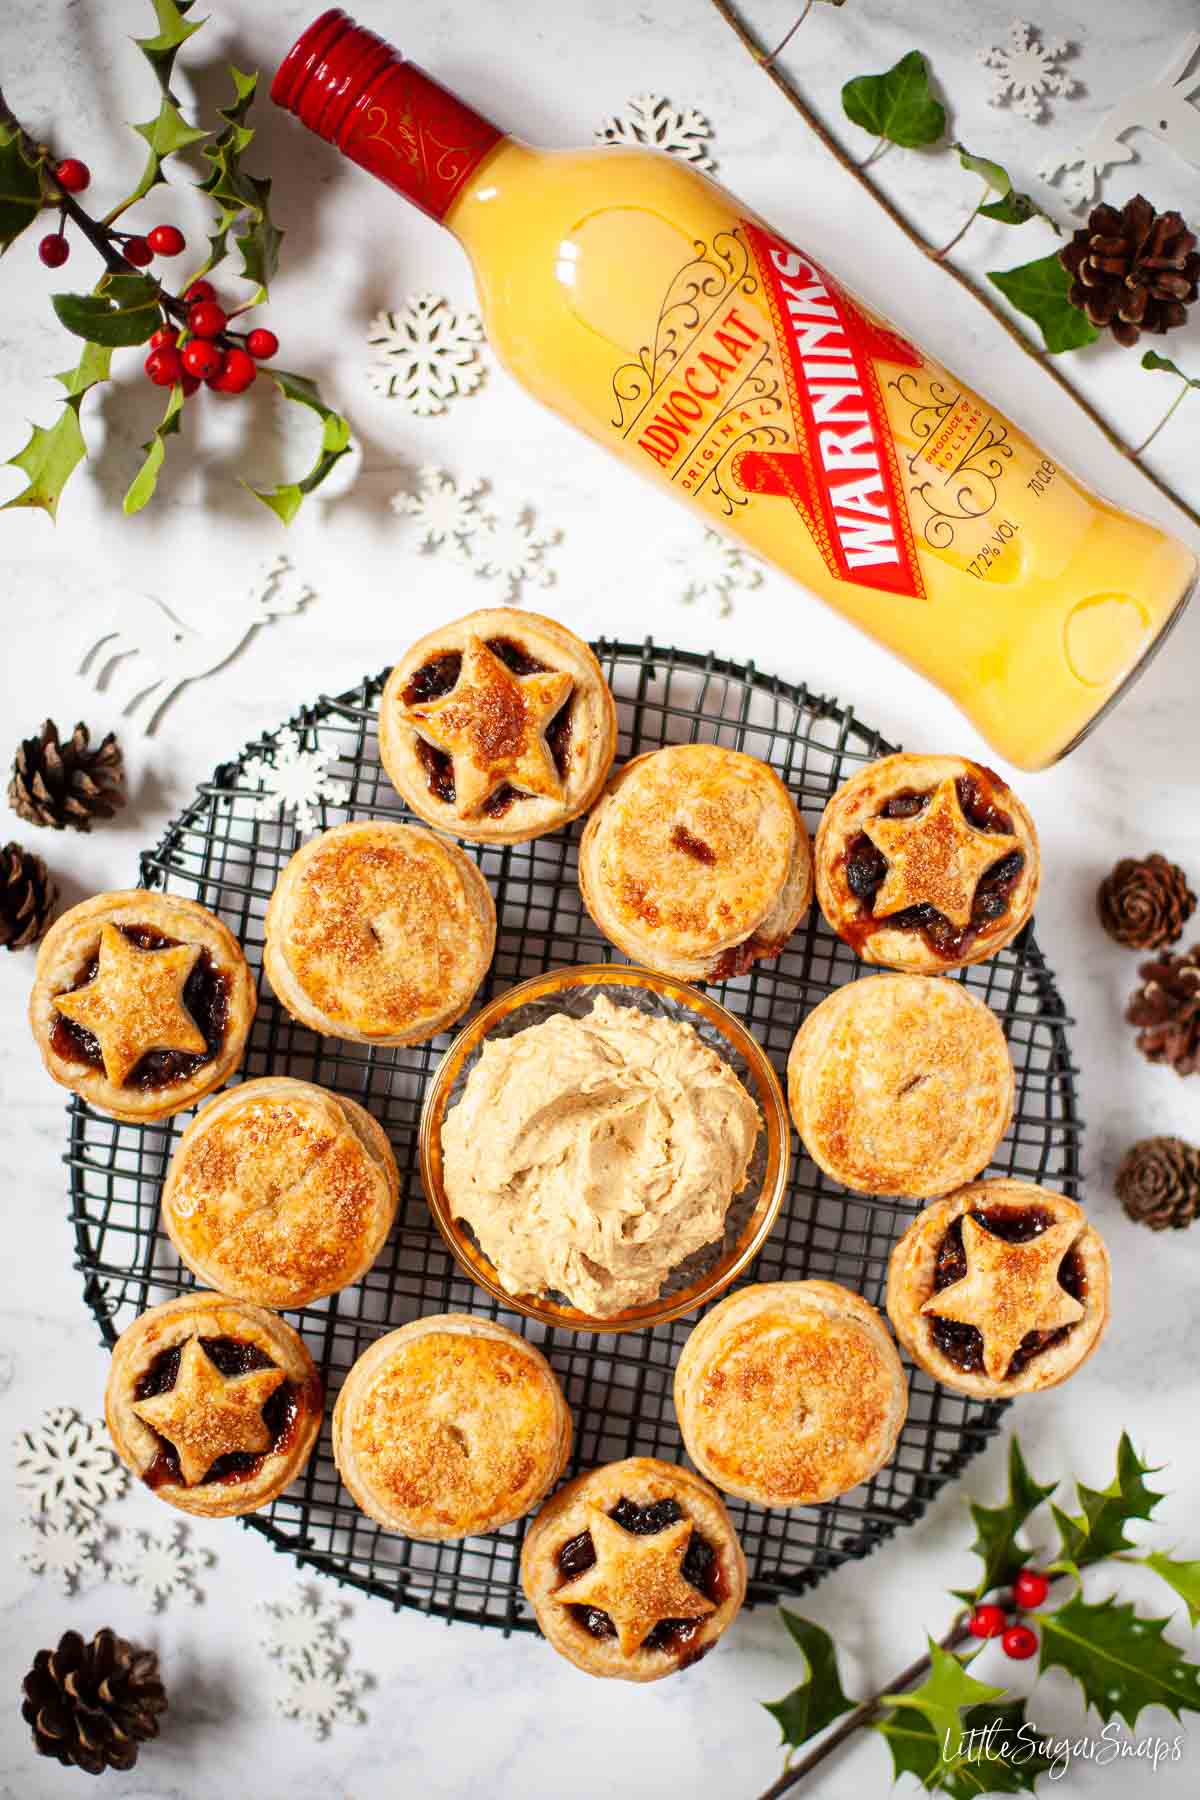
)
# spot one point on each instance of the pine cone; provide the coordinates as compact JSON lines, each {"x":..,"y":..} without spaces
{"x":1166,"y":1010}
{"x":1158,"y":1182}
{"x":1146,"y":902}
{"x":60,"y":784}
{"x":1135,"y":270}
{"x":91,"y":1705}
{"x":27,"y":897}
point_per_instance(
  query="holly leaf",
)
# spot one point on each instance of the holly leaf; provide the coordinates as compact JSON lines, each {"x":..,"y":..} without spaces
{"x":54,"y":452}
{"x":995,"y":1755}
{"x":173,"y":32}
{"x":146,"y":479}
{"x":1121,"y":1661}
{"x":124,"y":309}
{"x":22,"y":195}
{"x":165,"y":134}
{"x":943,"y":1697}
{"x":239,"y":197}
{"x":1184,"y":1577}
{"x":818,"y":1700}
{"x":1098,"y":1530}
{"x":1152,"y":360}
{"x":898,"y":105}
{"x":286,"y":500}
{"x":1040,"y":290}
{"x":996,"y":1529}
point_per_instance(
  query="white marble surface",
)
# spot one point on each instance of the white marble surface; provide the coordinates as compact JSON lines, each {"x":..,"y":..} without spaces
{"x":459,"y":1711}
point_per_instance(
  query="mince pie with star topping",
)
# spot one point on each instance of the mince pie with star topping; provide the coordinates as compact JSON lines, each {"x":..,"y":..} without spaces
{"x":214,"y":1404}
{"x":634,"y":1570}
{"x":926,"y":863}
{"x":498,"y":727}
{"x":141,"y":1003}
{"x":1000,"y":1289}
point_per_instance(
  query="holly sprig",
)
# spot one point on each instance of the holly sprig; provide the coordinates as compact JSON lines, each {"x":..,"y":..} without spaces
{"x":192,"y":338}
{"x":963,"y":1737}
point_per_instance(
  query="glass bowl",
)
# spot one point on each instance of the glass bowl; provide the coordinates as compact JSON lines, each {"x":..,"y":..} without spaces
{"x":752,"y":1213}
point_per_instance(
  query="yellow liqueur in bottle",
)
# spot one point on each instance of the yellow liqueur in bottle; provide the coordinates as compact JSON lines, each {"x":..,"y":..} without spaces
{"x":658,"y":313}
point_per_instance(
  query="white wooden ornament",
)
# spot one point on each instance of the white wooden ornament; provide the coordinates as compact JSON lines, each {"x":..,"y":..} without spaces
{"x":1163,"y":108}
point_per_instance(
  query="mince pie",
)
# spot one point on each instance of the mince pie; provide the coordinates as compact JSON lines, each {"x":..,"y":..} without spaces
{"x":1000,"y":1289}
{"x":901,"y":1084}
{"x":634,"y":1569}
{"x":380,"y":933}
{"x":280,"y":1192}
{"x":498,"y":727}
{"x":450,"y":1427}
{"x":696,"y":862}
{"x":213,"y":1403}
{"x":141,"y":1003}
{"x":925,"y":863}
{"x":790,"y":1393}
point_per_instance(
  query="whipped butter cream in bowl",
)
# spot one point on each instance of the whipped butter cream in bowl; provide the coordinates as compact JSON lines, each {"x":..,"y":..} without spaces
{"x":604,"y":1148}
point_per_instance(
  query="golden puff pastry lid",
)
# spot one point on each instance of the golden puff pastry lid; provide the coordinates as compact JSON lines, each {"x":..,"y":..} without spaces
{"x":379,"y":932}
{"x":901,"y":1085}
{"x":790,"y":1393}
{"x":694,"y":854}
{"x":280,"y":1192}
{"x":450,"y":1427}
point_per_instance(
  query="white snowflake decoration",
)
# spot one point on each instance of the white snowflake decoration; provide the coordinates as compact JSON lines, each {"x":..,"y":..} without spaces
{"x":509,"y":551}
{"x":427,"y":353}
{"x":65,"y":1546}
{"x":304,"y":1630}
{"x":653,"y":121}
{"x":445,"y":512}
{"x":67,"y":1462}
{"x":1026,"y":70}
{"x":320,"y":1695}
{"x":163,"y":1568}
{"x":292,"y":778}
{"x":716,"y":571}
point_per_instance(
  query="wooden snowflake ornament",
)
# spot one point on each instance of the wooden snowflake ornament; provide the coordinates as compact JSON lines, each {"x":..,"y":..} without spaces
{"x":426,"y":353}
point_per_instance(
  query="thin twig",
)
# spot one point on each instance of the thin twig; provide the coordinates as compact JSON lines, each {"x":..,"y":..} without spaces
{"x":788,"y":35}
{"x":730,"y":14}
{"x":1184,"y":390}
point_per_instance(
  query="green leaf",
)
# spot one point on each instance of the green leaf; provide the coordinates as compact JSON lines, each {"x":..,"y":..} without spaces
{"x":1184,"y":1577}
{"x":1122,"y":1662}
{"x":996,"y":1754}
{"x":146,"y":479}
{"x":165,"y":134}
{"x":1098,"y":1530}
{"x":92,"y":367}
{"x":993,"y":173}
{"x":996,"y":1529}
{"x":943,"y":1697}
{"x":1010,"y":208}
{"x":54,"y":452}
{"x":239,"y":197}
{"x":286,"y":500}
{"x":817,"y":1700}
{"x":1040,"y":289}
{"x":124,"y":309}
{"x":1152,"y":360}
{"x":897,"y":105}
{"x":173,"y":32}
{"x":22,"y":195}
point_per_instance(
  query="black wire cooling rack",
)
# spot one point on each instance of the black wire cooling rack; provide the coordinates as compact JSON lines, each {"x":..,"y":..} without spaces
{"x":223,"y":854}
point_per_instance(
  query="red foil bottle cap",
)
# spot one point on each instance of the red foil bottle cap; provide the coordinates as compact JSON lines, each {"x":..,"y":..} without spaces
{"x":386,"y":114}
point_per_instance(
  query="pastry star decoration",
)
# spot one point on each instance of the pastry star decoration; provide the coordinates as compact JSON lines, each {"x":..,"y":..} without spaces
{"x":637,"y":1580}
{"x":207,"y":1414}
{"x":1009,"y":1289}
{"x":935,"y":858}
{"x":492,"y":724}
{"x":134,"y":1003}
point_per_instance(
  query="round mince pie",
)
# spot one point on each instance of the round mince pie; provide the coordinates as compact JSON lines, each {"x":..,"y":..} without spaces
{"x":141,"y":1003}
{"x":696,"y":862}
{"x":901,"y":1084}
{"x":498,"y":727}
{"x":380,"y":933}
{"x":214,"y":1404}
{"x":280,"y":1192}
{"x":450,"y":1427}
{"x":1000,"y":1289}
{"x":634,"y":1570}
{"x":790,"y":1393}
{"x":925,"y":863}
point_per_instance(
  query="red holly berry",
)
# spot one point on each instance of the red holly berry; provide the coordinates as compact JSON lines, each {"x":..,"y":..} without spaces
{"x":72,"y":175}
{"x":238,"y":372}
{"x":200,"y":290}
{"x":987,"y":1621}
{"x":1030,"y":1589}
{"x":202,"y":359}
{"x":190,"y":384}
{"x":1019,"y":1642}
{"x":137,"y":251}
{"x":261,"y":342}
{"x":166,"y":334}
{"x":163,"y":366}
{"x":54,"y":250}
{"x":166,"y":240}
{"x":206,"y":319}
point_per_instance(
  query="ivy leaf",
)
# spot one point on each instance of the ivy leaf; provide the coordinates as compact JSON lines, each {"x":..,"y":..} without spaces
{"x":1040,"y":289}
{"x":285,"y":501}
{"x":54,"y":452}
{"x":898,"y":105}
{"x":1122,"y":1662}
{"x":146,"y":479}
{"x":943,"y":1696}
{"x":994,"y":1757}
{"x":1152,"y":360}
{"x":996,"y":1529}
{"x":1098,"y":1530}
{"x":1010,"y":207}
{"x":124,"y":309}
{"x":173,"y":32}
{"x":817,"y":1700}
{"x":21,"y":193}
{"x":1184,"y":1577}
